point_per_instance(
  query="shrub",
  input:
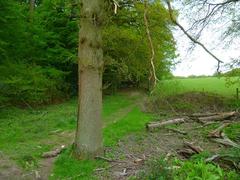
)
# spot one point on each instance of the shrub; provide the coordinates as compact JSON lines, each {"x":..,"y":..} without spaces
{"x":23,"y":84}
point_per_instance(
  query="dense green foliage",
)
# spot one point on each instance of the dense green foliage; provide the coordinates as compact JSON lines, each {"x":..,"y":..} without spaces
{"x":38,"y":52}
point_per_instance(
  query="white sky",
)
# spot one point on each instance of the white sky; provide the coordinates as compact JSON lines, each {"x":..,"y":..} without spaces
{"x":198,"y":62}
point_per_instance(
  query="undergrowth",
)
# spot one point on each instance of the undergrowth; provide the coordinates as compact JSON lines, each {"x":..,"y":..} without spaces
{"x":175,"y":169}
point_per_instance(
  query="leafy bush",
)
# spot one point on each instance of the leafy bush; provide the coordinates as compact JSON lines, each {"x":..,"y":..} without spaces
{"x":24,"y":84}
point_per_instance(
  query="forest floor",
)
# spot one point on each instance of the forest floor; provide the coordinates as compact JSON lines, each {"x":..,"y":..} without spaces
{"x":129,"y":149}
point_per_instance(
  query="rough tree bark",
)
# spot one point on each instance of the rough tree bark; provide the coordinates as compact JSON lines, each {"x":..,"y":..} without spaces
{"x":88,"y":139}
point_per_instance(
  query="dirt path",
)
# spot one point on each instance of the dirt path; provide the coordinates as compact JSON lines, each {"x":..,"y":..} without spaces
{"x":8,"y":168}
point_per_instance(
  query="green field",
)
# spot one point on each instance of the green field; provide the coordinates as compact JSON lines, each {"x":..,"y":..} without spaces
{"x":206,"y":84}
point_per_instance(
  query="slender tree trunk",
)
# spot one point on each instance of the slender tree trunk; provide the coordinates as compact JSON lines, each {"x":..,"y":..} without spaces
{"x":88,"y":139}
{"x":153,"y":77}
{"x":31,"y":9}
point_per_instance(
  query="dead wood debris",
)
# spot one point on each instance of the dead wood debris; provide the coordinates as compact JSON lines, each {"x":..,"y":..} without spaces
{"x":218,"y":117}
{"x":177,"y":131}
{"x":202,"y":115}
{"x":217,"y":132}
{"x":205,"y":119}
{"x":219,"y":136}
{"x":186,"y":153}
{"x":224,"y":161}
{"x":189,"y":149}
{"x":152,"y":125}
{"x":223,"y":139}
{"x":53,"y":153}
{"x":109,"y":160}
{"x":196,"y":149}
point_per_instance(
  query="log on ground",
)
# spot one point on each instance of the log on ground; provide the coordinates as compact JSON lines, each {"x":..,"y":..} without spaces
{"x":219,"y":117}
{"x":153,"y":125}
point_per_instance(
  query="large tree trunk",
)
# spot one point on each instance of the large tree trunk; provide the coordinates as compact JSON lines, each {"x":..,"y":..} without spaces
{"x":88,"y":140}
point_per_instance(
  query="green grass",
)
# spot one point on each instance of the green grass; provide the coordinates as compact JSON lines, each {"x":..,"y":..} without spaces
{"x":68,"y":167}
{"x":23,"y":132}
{"x":27,"y":133}
{"x":133,"y":122}
{"x":206,"y":84}
{"x":114,"y":103}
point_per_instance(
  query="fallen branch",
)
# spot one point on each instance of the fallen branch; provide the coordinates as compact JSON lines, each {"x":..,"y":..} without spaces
{"x":226,"y":141}
{"x":203,"y":115}
{"x":212,"y":158}
{"x":196,"y":149}
{"x":218,"y":117}
{"x":53,"y":153}
{"x":177,"y":131}
{"x":217,"y":132}
{"x":109,"y":160}
{"x":202,"y":126}
{"x":153,"y":125}
{"x":187,"y":153}
{"x":223,"y":160}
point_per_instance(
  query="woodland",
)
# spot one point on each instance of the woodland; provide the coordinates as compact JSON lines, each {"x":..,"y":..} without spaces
{"x":87,"y":91}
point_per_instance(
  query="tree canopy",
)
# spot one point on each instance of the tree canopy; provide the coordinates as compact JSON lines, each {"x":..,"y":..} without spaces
{"x":38,"y":50}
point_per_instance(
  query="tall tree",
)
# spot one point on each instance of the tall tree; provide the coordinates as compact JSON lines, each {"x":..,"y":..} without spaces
{"x":88,"y":139}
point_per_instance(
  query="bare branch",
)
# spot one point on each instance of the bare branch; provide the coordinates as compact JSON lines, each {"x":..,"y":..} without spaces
{"x":223,"y":3}
{"x":189,"y":36}
{"x":153,"y":72}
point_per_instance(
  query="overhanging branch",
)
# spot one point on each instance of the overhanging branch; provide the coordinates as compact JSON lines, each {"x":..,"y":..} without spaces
{"x":189,"y":36}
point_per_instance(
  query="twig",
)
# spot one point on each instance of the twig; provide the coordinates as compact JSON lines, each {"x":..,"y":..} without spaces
{"x":109,"y":160}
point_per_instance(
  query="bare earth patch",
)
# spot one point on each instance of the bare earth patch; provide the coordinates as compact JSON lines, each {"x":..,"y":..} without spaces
{"x":8,"y":168}
{"x":131,"y":154}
